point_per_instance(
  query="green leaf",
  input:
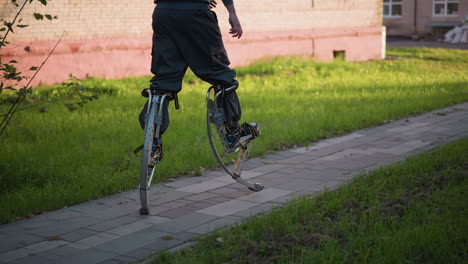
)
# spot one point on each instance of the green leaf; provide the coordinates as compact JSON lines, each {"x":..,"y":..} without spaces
{"x":2,"y":29}
{"x":48,"y":16}
{"x":44,"y":2}
{"x":13,"y":61}
{"x":33,"y":68}
{"x":9,"y":25}
{"x":38,"y":16}
{"x":9,"y":68}
{"x":70,"y":107}
{"x":22,"y":26}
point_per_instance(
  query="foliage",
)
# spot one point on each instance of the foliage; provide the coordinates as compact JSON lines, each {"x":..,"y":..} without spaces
{"x":14,"y":80}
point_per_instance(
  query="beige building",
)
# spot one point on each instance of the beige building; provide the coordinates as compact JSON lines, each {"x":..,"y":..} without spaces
{"x":423,"y":18}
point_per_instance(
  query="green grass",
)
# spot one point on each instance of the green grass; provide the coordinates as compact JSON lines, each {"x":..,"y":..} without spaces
{"x":58,"y":158}
{"x":414,"y":212}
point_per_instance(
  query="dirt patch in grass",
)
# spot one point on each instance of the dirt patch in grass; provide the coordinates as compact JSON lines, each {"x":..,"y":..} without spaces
{"x":395,"y":208}
{"x":269,"y":249}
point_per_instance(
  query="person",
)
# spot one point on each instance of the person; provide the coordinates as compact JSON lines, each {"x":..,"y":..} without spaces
{"x":186,"y":34}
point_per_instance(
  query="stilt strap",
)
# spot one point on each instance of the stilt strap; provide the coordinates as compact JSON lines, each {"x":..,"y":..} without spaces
{"x":255,"y":133}
{"x":173,"y":96}
{"x":226,"y":89}
{"x":135,"y":151}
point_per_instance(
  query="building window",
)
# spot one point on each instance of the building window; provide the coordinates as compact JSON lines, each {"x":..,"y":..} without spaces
{"x":445,"y":7}
{"x":392,"y":8}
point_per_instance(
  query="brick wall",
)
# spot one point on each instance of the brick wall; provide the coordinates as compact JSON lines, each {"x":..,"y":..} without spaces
{"x":101,"y":36}
{"x":83,"y":19}
{"x":90,"y":19}
{"x":405,"y":25}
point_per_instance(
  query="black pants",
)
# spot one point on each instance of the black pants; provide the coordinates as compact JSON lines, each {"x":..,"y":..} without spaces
{"x":190,"y":38}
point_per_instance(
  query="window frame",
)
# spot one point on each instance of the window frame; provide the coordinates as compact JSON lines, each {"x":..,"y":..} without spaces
{"x":445,"y":3}
{"x":390,"y":5}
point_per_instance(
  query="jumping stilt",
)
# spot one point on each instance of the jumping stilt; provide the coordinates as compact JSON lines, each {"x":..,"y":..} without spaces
{"x":215,"y":120}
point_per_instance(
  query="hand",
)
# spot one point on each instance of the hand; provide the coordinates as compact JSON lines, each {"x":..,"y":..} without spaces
{"x":236,"y":28}
{"x":213,"y":4}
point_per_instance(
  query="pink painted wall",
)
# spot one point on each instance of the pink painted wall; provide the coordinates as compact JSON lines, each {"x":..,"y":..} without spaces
{"x":99,"y":43}
{"x":117,"y":58}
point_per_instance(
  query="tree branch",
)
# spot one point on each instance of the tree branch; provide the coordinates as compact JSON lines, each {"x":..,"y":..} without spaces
{"x":12,"y":23}
{"x":13,"y":108}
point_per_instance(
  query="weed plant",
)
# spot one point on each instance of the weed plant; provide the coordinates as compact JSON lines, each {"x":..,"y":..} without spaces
{"x":51,"y":157}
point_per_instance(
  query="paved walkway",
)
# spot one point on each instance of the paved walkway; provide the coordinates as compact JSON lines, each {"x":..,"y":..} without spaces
{"x":110,"y":230}
{"x":395,"y":42}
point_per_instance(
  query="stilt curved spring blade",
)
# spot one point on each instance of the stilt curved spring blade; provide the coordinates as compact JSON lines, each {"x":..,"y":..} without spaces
{"x":152,"y":132}
{"x":242,"y":153}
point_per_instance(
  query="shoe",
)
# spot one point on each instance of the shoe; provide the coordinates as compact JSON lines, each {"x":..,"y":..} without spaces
{"x":156,"y":153}
{"x":238,"y":135}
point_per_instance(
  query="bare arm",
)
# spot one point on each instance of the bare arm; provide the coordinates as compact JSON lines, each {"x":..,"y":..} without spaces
{"x":236,"y":28}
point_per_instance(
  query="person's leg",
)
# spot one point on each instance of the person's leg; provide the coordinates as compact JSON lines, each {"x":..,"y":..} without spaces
{"x":199,"y":39}
{"x":168,"y":67}
{"x":167,"y":63}
{"x":200,"y":42}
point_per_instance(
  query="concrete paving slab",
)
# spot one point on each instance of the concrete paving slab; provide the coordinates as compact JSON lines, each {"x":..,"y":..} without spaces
{"x":169,"y":196}
{"x":127,"y":243}
{"x":88,"y":256}
{"x":129,"y":228}
{"x":61,"y":228}
{"x":406,"y":127}
{"x":215,"y":224}
{"x":31,"y":249}
{"x":201,"y":196}
{"x":286,"y":154}
{"x":248,"y":174}
{"x":154,"y":219}
{"x":185,"y":222}
{"x":265,"y":195}
{"x":177,"y":212}
{"x":111,"y":261}
{"x":178,"y":203}
{"x":141,"y":252}
{"x":63,"y":251}
{"x":51,"y":257}
{"x":154,"y":210}
{"x":227,"y":208}
{"x":203,"y":187}
{"x":161,"y":244}
{"x":253,"y":163}
{"x":109,"y":224}
{"x":199,"y":205}
{"x":19,"y":240}
{"x":98,"y":239}
{"x":78,"y":234}
{"x":32,"y":259}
